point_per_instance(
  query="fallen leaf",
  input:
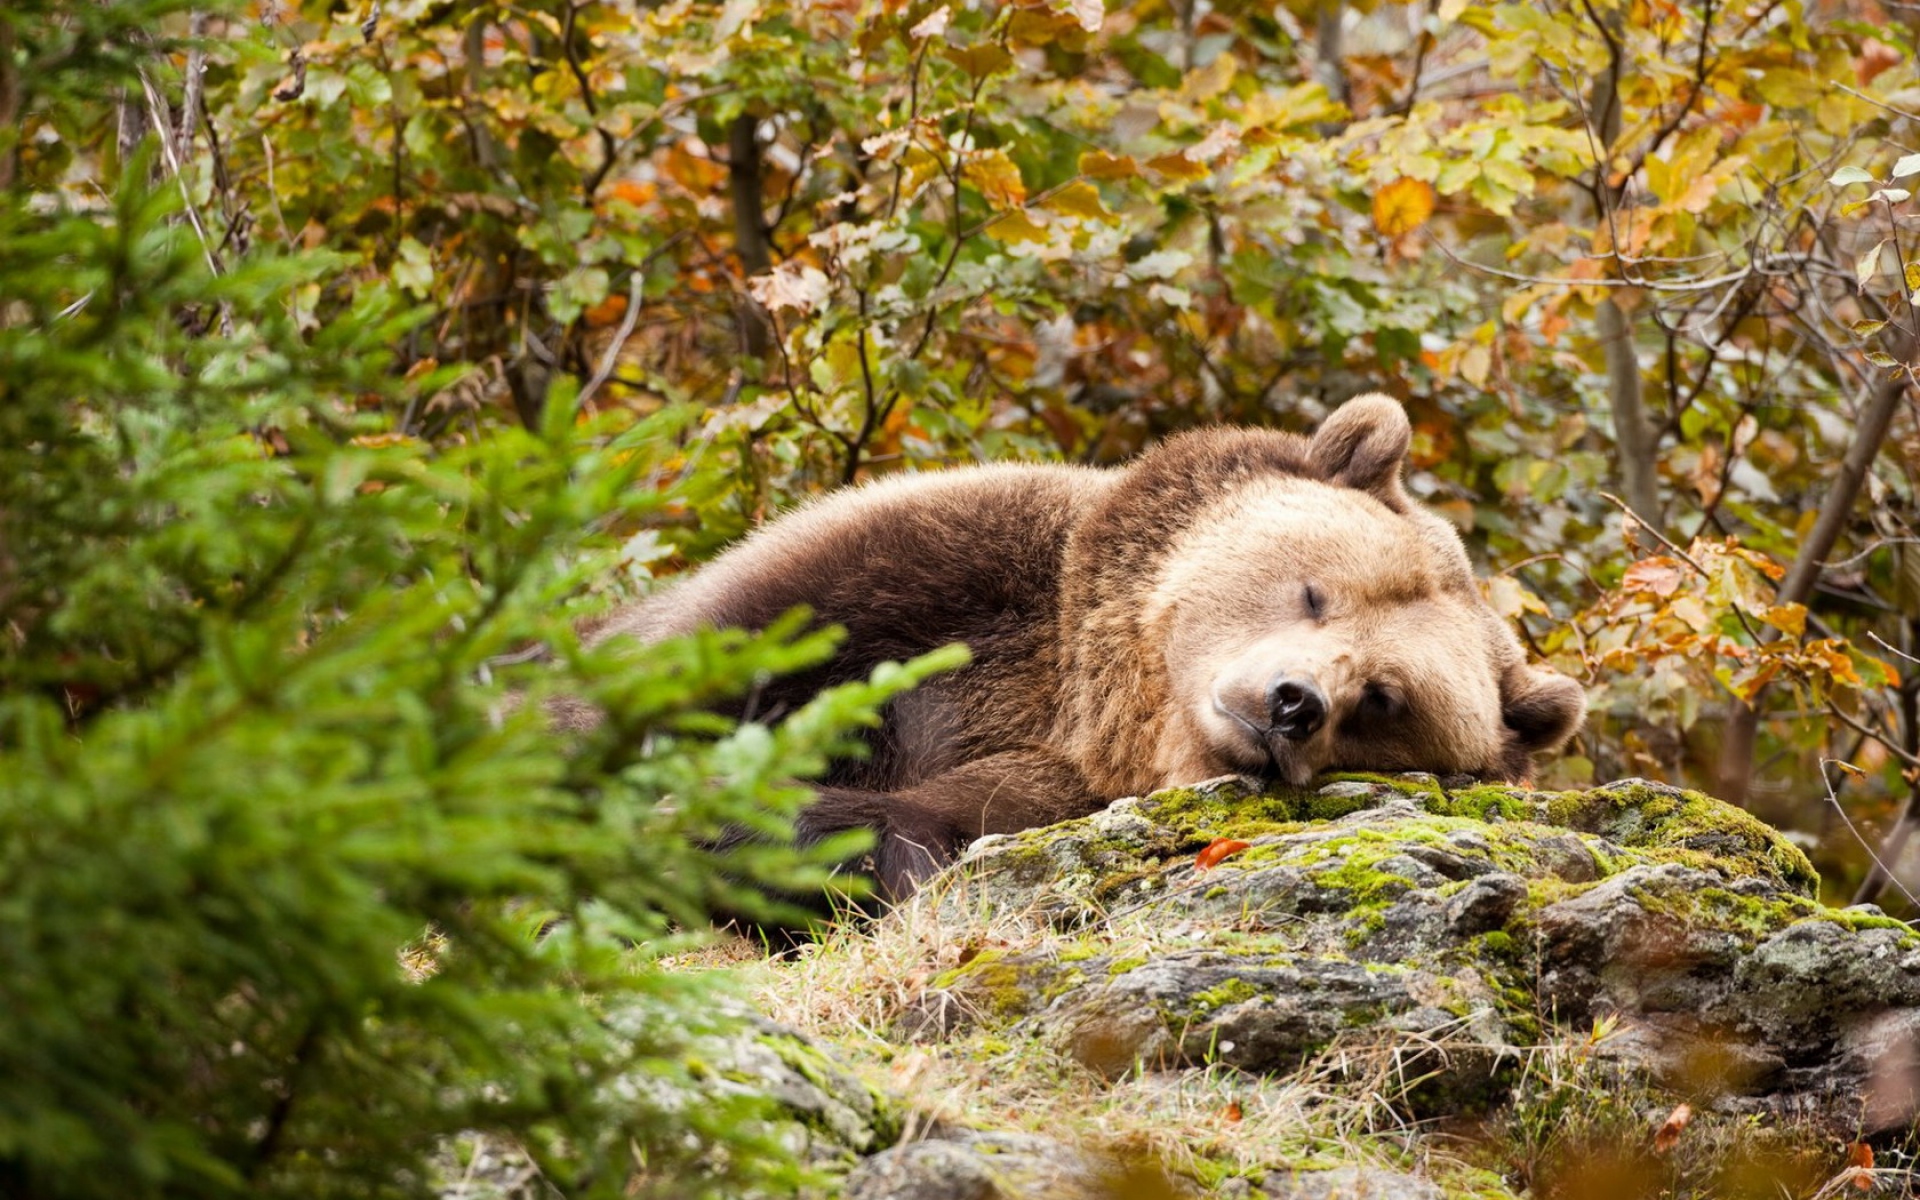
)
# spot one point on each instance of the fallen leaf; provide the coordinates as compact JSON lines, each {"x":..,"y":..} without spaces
{"x":1233,"y":1111}
{"x":1218,"y":850}
{"x":1860,"y":1165}
{"x":1668,"y":1135}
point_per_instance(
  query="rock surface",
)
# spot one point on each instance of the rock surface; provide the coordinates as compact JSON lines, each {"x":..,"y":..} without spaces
{"x":1425,"y":938}
{"x":1451,"y":924}
{"x":1380,"y":987}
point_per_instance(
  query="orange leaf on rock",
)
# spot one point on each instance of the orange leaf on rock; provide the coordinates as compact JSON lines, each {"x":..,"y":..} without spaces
{"x":1668,"y":1135}
{"x":1402,"y":206}
{"x":1860,"y":1165}
{"x":1217,"y":851}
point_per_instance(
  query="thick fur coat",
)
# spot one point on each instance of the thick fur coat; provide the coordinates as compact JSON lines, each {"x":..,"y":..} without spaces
{"x":1235,"y":600}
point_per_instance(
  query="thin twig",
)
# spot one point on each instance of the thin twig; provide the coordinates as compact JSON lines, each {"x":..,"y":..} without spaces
{"x":1855,"y":831}
{"x":611,"y":359}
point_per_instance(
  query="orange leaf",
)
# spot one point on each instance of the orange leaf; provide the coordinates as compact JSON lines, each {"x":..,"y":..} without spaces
{"x":631,"y":191}
{"x":1233,"y":1111}
{"x":1178,"y":166}
{"x":997,"y":178}
{"x":1402,"y":206}
{"x":1217,"y":851}
{"x":1668,"y":1135}
{"x":1098,"y":164}
{"x":1659,"y":575}
{"x":1860,"y":1164}
{"x":607,"y":312}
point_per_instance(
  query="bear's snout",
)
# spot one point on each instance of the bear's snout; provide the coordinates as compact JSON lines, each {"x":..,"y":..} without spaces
{"x":1296,"y":706}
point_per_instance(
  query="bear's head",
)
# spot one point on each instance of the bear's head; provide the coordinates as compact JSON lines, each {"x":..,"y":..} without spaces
{"x":1315,"y":618}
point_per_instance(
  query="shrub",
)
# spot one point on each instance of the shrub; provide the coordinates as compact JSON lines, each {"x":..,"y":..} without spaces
{"x":295,"y":881}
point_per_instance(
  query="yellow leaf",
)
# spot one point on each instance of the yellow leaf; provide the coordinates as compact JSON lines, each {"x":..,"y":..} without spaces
{"x":979,"y":61}
{"x":1015,"y":226}
{"x":1206,"y":82}
{"x":997,"y":177}
{"x":1690,"y":611}
{"x":1098,"y":164}
{"x":1790,"y":619}
{"x":1179,"y":167}
{"x":1402,"y":206}
{"x":1078,"y":199}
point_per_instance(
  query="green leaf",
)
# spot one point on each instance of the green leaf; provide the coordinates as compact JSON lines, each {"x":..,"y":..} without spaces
{"x":1847,"y":176}
{"x":413,"y":270}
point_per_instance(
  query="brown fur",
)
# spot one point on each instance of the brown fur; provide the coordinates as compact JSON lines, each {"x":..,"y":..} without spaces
{"x":1127,"y":630}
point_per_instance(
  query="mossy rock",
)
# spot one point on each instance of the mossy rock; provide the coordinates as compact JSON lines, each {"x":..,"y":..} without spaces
{"x":1380,"y":911}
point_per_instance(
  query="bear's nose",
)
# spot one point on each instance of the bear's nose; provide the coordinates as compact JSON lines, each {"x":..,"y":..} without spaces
{"x":1298,"y":707}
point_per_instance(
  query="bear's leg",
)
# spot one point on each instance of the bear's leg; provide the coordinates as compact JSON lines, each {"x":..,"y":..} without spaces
{"x":922,"y":828}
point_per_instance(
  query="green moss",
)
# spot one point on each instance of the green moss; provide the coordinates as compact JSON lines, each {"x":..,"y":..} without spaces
{"x":1232,"y":991}
{"x":1751,"y":919}
{"x":992,"y":978}
{"x":1647,"y":816}
{"x":1195,"y":810}
{"x":1214,"y":892}
{"x":1120,"y":966}
{"x":1852,"y":919}
{"x":1365,"y":925}
{"x":1486,"y":802}
{"x":1359,"y":876}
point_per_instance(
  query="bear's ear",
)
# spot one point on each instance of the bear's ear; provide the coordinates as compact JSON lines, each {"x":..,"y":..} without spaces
{"x":1362,"y":446}
{"x":1542,"y":708}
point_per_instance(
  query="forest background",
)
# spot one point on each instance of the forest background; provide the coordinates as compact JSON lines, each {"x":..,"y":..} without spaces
{"x":349,"y":349}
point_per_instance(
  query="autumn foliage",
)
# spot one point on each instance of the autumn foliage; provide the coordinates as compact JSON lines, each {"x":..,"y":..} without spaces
{"x":347,"y":348}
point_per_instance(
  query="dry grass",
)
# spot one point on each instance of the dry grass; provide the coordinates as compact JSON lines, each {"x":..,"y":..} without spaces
{"x":1213,"y":1122}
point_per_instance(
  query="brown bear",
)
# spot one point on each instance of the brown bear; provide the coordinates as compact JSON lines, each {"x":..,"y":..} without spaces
{"x":1236,"y":600}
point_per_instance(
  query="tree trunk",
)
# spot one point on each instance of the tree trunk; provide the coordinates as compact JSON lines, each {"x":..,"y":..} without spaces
{"x":749,"y":228}
{"x":1639,"y":475}
{"x":1613,"y":325}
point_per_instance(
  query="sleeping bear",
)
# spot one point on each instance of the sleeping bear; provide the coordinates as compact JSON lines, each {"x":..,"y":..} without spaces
{"x":1235,"y":600}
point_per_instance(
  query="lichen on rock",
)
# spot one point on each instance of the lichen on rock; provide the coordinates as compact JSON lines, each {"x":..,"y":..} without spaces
{"x":1436,"y":930}
{"x":1414,"y":947}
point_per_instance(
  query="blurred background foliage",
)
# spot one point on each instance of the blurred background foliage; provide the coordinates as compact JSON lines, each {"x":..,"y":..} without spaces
{"x":348,"y":347}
